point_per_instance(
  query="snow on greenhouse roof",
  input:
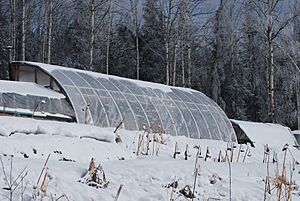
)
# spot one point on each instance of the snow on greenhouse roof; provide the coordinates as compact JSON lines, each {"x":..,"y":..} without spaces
{"x":28,"y":88}
{"x":50,"y":68}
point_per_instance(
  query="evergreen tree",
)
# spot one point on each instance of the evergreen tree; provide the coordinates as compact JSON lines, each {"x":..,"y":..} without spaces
{"x":123,"y":53}
{"x":152,"y":44}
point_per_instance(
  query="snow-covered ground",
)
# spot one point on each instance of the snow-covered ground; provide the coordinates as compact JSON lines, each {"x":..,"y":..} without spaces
{"x":27,"y":143}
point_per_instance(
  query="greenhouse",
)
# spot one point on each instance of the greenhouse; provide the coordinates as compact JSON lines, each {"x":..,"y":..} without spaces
{"x":106,"y":101}
{"x":29,"y":99}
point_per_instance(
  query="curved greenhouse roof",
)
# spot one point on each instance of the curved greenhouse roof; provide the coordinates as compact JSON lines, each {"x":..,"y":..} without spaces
{"x":140,"y":105}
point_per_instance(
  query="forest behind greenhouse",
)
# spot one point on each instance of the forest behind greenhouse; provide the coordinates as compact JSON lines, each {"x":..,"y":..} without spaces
{"x":244,"y":54}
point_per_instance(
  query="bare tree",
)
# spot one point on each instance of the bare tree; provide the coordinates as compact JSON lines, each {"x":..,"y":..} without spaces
{"x":272,"y":34}
{"x":13,"y":28}
{"x":12,"y":184}
{"x":186,"y":47}
{"x":110,"y":20}
{"x":169,"y":14}
{"x":187,"y":27}
{"x":23,"y":34}
{"x":134,"y":4}
{"x":175,"y":52}
{"x":49,"y":35}
{"x":270,"y":68}
{"x":184,"y":13}
{"x":92,"y":42}
{"x":44,"y":35}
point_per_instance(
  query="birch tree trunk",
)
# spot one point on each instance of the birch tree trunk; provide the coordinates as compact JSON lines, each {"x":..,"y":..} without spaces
{"x":189,"y":61}
{"x":167,"y":45}
{"x":108,"y":36}
{"x":174,"y":66}
{"x":92,"y":42}
{"x":134,"y":9}
{"x":137,"y":56}
{"x":167,"y":62}
{"x":270,"y":68}
{"x":183,"y":39}
{"x":189,"y":48}
{"x":167,"y":17}
{"x":44,"y":35}
{"x":49,"y":35}
{"x":182,"y":62}
{"x":13,"y":29}
{"x":23,"y":43}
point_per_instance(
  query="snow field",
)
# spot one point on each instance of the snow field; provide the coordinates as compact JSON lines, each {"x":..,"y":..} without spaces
{"x":144,"y":177}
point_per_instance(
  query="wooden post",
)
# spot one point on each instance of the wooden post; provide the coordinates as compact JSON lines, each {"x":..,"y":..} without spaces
{"x":186,"y":153}
{"x":237,"y":160}
{"x":118,"y":192}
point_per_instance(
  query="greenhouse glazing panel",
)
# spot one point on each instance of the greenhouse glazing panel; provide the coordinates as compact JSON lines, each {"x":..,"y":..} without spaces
{"x":86,"y":91}
{"x":76,"y":79}
{"x":188,"y":115}
{"x":91,"y":81}
{"x":122,"y":88}
{"x":172,"y":96}
{"x":202,"y":99}
{"x":212,"y":124}
{"x":101,"y":119}
{"x":149,"y":92}
{"x":9,"y":99}
{"x":200,"y":121}
{"x":113,"y":114}
{"x":65,"y":107}
{"x":91,"y":97}
{"x":177,"y":117}
{"x":182,"y":96}
{"x":212,"y":103}
{"x":56,"y":106}
{"x":192,"y":97}
{"x":77,"y":101}
{"x":138,"y":111}
{"x":62,"y":78}
{"x":189,"y":120}
{"x":21,"y":101}
{"x":42,"y":106}
{"x":150,"y":111}
{"x":231,"y":135}
{"x":134,"y":88}
{"x":167,"y":121}
{"x":125,"y":109}
{"x":107,"y":84}
{"x":160,"y":94}
{"x":96,"y":110}
{"x":220,"y":121}
{"x":51,"y":105}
